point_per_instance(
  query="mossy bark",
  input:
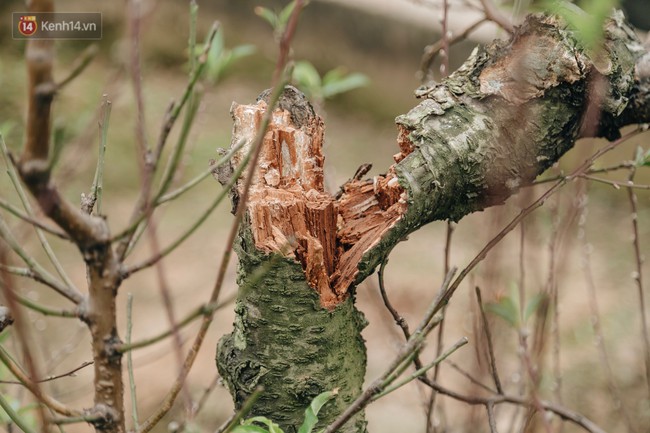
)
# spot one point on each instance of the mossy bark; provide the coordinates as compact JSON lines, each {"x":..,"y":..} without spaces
{"x":285,"y":341}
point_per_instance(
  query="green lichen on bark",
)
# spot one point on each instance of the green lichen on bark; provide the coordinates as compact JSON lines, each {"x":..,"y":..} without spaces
{"x":286,"y":342}
{"x":510,"y":112}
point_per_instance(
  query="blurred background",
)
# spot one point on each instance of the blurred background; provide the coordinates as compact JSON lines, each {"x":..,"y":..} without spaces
{"x":581,"y":240}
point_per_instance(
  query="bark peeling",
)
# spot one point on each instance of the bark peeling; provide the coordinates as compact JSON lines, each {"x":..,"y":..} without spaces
{"x":289,"y":211}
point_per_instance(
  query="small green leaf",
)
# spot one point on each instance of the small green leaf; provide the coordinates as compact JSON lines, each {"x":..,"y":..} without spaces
{"x":350,"y":82}
{"x":533,"y":305}
{"x":220,"y":58}
{"x":642,"y":160}
{"x":311,"y":413}
{"x":307,"y":79}
{"x":249,"y":429}
{"x":283,"y":16}
{"x":267,"y":15}
{"x":506,"y":309}
{"x":272,"y":427}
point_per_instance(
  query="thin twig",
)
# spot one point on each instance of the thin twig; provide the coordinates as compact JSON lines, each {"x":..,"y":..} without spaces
{"x":22,"y":333}
{"x":85,"y":418}
{"x":529,"y":209}
{"x":234,"y":420}
{"x":70,"y":373}
{"x":193,"y":315}
{"x":638,"y":278}
{"x":422,"y":371}
{"x":599,"y":337}
{"x":135,"y":21}
{"x":552,"y":291}
{"x":172,"y":195}
{"x":46,"y":311}
{"x":190,"y":114}
{"x":561,"y":411}
{"x":625,"y":165}
{"x":166,"y":297}
{"x":431,"y":407}
{"x":207,"y":320}
{"x":129,"y":361}
{"x":617,"y":184}
{"x":38,"y":271}
{"x":431,"y":51}
{"x":28,"y":273}
{"x":179,"y":149}
{"x":79,"y":65}
{"x":18,"y":213}
{"x":210,"y":170}
{"x":143,"y":205}
{"x":469,"y":377}
{"x":98,"y":182}
{"x":48,"y":401}
{"x":399,"y":320}
{"x":181,"y":239}
{"x":491,"y":419}
{"x":488,"y":337}
{"x":15,"y":417}
{"x":13,"y":176}
{"x":201,"y":403}
{"x":494,"y":15}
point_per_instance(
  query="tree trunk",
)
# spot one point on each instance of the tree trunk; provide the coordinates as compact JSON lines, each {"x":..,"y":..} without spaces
{"x":511,"y":111}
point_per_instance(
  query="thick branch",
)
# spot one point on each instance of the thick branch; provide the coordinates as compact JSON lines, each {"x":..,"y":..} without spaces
{"x":89,"y":233}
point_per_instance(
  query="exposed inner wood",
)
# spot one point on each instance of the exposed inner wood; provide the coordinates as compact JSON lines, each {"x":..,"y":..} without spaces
{"x":290,"y":212}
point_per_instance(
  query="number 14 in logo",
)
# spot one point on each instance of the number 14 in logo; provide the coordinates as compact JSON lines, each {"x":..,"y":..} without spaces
{"x":27,"y":25}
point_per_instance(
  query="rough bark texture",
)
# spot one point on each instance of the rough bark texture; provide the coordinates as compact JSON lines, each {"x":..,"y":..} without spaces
{"x":511,"y":111}
{"x":293,"y":335}
{"x":285,"y":341}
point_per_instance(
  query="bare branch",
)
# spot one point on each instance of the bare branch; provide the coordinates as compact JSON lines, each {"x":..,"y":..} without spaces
{"x":488,"y":336}
{"x":129,"y":361}
{"x":599,"y":337}
{"x":494,"y":15}
{"x":36,"y":271}
{"x":79,"y":65}
{"x":143,"y":205}
{"x":203,"y":310}
{"x":399,"y":320}
{"x":70,"y":373}
{"x":234,"y":420}
{"x":638,"y":278}
{"x":33,"y":387}
{"x":18,"y":213}
{"x":255,"y":151}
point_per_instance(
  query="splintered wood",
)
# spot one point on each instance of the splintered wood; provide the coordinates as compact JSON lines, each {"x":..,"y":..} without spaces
{"x":290,"y":212}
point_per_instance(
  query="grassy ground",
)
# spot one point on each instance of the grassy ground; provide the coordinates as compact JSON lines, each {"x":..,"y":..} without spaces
{"x":359,"y":130}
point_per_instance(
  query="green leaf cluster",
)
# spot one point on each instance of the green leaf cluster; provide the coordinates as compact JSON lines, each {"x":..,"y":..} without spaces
{"x":507,"y":308}
{"x":261,"y":424}
{"x":317,"y":88}
{"x":277,"y":19}
{"x":642,"y":158}
{"x":220,"y":58}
